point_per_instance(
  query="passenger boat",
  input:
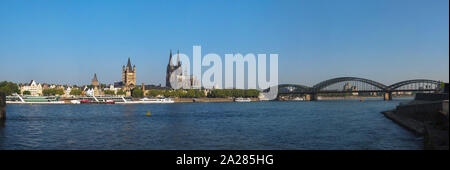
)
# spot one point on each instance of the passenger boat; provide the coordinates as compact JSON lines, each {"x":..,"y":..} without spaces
{"x":240,"y":99}
{"x":17,"y":99}
{"x":298,"y":99}
{"x":75,"y":101}
{"x":96,"y":101}
{"x":148,"y":101}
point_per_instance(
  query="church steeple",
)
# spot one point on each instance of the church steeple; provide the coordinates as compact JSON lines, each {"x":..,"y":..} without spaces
{"x":170,"y":58}
{"x":178,"y":58}
{"x":129,"y":65}
{"x":95,"y":80}
{"x":95,"y":77}
{"x":171,"y":67}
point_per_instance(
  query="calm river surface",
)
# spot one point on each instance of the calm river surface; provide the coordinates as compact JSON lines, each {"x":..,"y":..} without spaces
{"x":334,"y":124}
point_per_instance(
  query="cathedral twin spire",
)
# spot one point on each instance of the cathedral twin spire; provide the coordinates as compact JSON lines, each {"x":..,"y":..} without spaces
{"x":178,"y":58}
{"x":171,"y":68}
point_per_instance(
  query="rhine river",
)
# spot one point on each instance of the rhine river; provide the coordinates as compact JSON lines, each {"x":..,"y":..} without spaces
{"x":333,"y":124}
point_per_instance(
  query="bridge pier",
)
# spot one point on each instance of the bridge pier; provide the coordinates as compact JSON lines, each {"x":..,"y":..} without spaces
{"x":387,"y":96}
{"x":311,"y":97}
{"x":2,"y":106}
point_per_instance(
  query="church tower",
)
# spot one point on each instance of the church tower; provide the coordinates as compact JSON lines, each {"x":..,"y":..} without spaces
{"x":171,"y":68}
{"x":129,"y":75}
{"x":94,"y":81}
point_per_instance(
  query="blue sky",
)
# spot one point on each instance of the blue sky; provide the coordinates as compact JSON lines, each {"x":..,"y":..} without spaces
{"x":62,"y":41}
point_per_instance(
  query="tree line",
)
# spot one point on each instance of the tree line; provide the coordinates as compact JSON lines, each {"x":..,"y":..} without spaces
{"x":191,"y":93}
{"x":10,"y":88}
{"x":233,"y":93}
{"x":196,"y":93}
{"x":53,"y":91}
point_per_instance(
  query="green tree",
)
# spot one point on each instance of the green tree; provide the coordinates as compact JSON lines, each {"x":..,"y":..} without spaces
{"x":9,"y":88}
{"x":26,"y":92}
{"x":109,"y":92}
{"x":190,"y":93}
{"x":121,"y":92}
{"x":194,"y":93}
{"x":59,"y":91}
{"x":168,"y":93}
{"x":221,"y":93}
{"x":52,"y":92}
{"x":179,"y":93}
{"x":138,"y":93}
{"x":154,"y":93}
{"x":47,"y":92}
{"x":76,"y":92}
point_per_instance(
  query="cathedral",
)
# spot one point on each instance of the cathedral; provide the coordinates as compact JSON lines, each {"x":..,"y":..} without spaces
{"x":171,"y":68}
{"x":184,"y":80}
{"x":128,"y":76}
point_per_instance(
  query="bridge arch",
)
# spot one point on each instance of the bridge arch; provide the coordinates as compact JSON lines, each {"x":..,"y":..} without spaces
{"x":398,"y":85}
{"x":326,"y":83}
{"x":293,"y":88}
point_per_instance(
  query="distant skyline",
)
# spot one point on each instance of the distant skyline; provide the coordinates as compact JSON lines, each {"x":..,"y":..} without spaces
{"x":66,"y":42}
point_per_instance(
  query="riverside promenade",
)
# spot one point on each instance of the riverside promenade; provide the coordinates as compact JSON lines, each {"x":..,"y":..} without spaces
{"x":427,"y":116}
{"x":208,"y":100}
{"x":2,"y":106}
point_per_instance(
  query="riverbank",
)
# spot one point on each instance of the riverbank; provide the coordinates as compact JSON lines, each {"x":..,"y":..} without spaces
{"x":427,"y":117}
{"x":176,"y":100}
{"x":357,"y":97}
{"x":206,"y":100}
{"x":2,"y":106}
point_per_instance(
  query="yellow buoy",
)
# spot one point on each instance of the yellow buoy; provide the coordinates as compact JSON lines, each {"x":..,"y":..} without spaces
{"x":148,"y":113}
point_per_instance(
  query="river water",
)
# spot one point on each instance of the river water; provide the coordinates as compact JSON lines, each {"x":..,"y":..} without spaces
{"x":333,"y":124}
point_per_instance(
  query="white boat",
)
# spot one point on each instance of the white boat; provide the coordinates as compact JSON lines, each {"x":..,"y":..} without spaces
{"x":298,"y":99}
{"x":17,"y":99}
{"x":75,"y":101}
{"x":240,"y":99}
{"x":148,"y":101}
{"x":157,"y":100}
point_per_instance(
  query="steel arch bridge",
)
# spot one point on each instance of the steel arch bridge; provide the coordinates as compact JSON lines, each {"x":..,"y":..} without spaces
{"x":327,"y":83}
{"x":293,"y":88}
{"x":417,"y":84}
{"x":359,"y":85}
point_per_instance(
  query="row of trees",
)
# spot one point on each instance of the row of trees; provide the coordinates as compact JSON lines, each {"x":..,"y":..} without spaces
{"x":53,"y":91}
{"x":195,"y":93}
{"x":112,"y":93}
{"x":76,"y":92}
{"x":233,"y":93}
{"x":9,"y":88}
{"x":191,"y":93}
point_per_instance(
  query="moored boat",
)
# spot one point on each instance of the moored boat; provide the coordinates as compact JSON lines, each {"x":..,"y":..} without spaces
{"x":240,"y":99}
{"x":298,"y":99}
{"x":17,"y":99}
{"x":97,"y":102}
{"x":148,"y":101}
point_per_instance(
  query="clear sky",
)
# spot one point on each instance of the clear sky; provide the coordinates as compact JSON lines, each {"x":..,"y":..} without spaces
{"x":62,"y":41}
